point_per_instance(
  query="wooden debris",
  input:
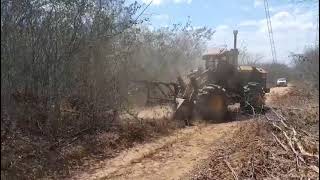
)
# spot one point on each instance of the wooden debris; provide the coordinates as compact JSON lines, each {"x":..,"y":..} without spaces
{"x":314,"y":168}
{"x":231,"y":169}
{"x":280,"y":143}
{"x":300,"y":147}
{"x":281,"y":118}
{"x":292,"y":148}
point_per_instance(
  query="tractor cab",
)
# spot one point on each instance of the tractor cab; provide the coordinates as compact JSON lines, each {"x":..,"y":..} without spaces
{"x":222,"y":64}
{"x":221,"y":56}
{"x":215,"y":57}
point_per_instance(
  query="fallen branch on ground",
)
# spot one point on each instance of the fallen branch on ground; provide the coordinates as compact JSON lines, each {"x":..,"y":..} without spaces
{"x":314,"y":168}
{"x":292,"y":148}
{"x":281,"y":118}
{"x":232,"y":171}
{"x":300,"y":147}
{"x":281,"y":144}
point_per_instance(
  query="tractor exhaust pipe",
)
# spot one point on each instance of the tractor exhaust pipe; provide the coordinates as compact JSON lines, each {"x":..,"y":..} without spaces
{"x":235,"y":50}
{"x":235,"y":32}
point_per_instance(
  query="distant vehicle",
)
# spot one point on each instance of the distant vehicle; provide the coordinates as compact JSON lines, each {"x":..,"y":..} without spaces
{"x":282,"y":82}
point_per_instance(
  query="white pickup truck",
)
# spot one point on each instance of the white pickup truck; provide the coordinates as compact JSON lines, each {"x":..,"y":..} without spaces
{"x":282,"y":82}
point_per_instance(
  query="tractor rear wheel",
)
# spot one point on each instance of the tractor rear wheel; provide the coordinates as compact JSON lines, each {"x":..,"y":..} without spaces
{"x":211,"y":103}
{"x":253,"y":101}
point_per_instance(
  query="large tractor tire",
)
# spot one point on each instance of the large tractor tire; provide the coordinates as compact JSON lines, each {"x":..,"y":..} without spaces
{"x":211,"y":103}
{"x":253,"y":98}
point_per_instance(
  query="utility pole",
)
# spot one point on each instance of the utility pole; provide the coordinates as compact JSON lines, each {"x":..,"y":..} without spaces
{"x":270,"y":32}
{"x":317,"y":27}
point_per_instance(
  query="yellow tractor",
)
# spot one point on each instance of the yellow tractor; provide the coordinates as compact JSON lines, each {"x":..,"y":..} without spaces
{"x":223,"y":82}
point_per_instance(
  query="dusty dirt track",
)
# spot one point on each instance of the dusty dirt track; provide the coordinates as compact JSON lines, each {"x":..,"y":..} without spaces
{"x":170,"y":157}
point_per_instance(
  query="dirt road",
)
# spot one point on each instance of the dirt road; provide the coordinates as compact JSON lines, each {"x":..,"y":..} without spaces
{"x":169,"y":157}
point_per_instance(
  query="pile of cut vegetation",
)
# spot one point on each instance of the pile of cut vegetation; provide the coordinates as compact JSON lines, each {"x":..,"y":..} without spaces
{"x":283,"y":144}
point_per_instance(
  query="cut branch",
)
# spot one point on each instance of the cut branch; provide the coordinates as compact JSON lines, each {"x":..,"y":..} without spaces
{"x":231,"y":169}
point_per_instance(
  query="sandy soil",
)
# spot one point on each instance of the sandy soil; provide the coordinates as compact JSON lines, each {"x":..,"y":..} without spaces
{"x":156,"y":112}
{"x":169,"y":157}
{"x":277,"y":92}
